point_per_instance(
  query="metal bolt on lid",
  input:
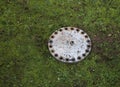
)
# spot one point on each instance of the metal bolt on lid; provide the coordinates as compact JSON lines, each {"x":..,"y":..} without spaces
{"x":69,"y":44}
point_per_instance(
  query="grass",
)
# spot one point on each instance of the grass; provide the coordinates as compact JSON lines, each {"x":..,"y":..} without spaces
{"x":25,"y":27}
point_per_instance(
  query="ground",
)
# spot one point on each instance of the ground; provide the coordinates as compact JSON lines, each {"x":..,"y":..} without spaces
{"x":25,"y":27}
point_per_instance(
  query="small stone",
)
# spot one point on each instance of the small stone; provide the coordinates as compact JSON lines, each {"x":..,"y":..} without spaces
{"x":58,"y":78}
{"x":109,"y":35}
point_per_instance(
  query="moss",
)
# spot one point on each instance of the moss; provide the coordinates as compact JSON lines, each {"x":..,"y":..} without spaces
{"x":25,"y":27}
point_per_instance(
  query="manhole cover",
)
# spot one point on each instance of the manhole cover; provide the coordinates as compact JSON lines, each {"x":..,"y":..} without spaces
{"x":69,"y":44}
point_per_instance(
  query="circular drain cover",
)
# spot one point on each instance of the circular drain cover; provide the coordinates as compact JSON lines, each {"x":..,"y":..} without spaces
{"x":69,"y":44}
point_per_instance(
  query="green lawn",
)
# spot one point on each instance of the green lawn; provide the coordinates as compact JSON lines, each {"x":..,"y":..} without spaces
{"x":25,"y":27}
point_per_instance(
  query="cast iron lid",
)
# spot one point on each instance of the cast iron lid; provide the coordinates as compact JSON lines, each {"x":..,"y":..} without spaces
{"x":69,"y":44}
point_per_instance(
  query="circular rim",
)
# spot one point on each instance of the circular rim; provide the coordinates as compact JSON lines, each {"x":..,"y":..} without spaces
{"x":69,"y":44}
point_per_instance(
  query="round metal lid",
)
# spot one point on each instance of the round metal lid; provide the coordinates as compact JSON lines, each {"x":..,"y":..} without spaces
{"x":69,"y":44}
